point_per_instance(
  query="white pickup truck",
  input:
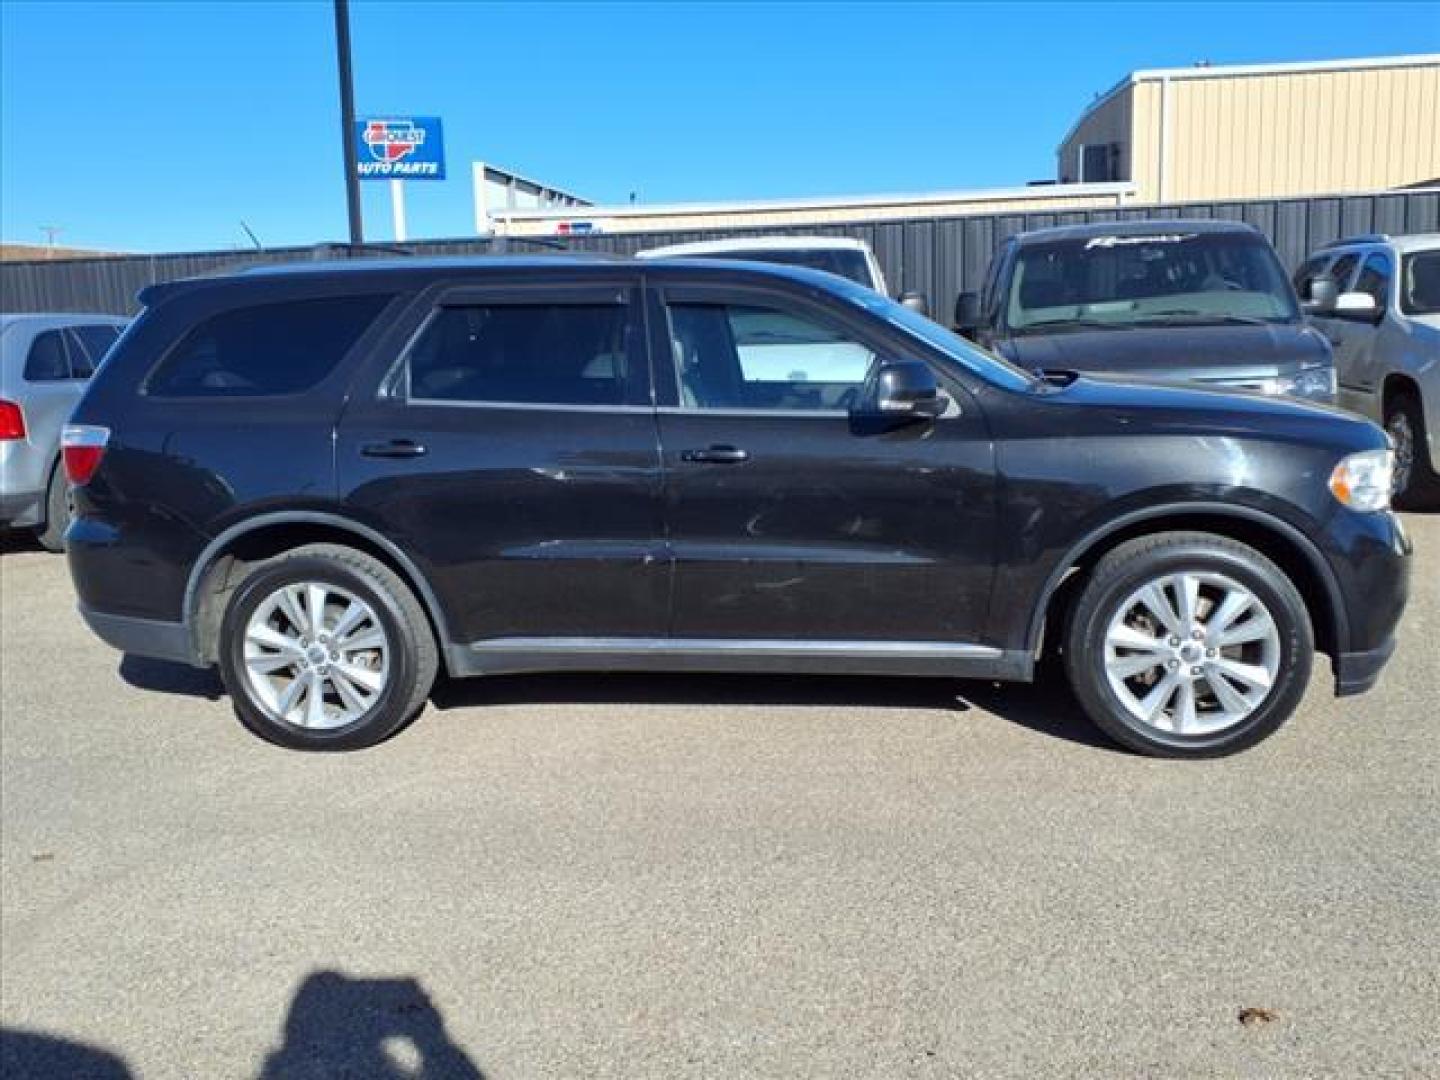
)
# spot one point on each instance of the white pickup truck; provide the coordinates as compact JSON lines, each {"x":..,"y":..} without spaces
{"x":840,"y":255}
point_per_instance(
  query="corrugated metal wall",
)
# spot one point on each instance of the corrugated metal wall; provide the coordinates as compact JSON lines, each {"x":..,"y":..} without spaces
{"x":936,"y":256}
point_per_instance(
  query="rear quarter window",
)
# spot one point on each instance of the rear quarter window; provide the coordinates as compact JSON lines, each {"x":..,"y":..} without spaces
{"x":265,"y":350}
{"x":47,"y":360}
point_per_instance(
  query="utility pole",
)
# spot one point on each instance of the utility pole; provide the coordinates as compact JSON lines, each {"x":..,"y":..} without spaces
{"x":50,"y":231}
{"x":347,"y":120}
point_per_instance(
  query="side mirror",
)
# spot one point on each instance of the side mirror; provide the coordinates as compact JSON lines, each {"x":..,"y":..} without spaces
{"x":1323,"y":293}
{"x":1358,"y":306}
{"x":967,"y":314}
{"x":905,"y":388}
{"x":917,"y":302}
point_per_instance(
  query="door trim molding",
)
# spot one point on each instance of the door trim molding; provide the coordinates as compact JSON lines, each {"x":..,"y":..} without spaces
{"x":541,"y":654}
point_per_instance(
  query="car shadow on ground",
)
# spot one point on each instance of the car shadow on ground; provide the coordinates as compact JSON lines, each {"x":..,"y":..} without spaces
{"x":1045,"y":706}
{"x":19,"y":542}
{"x":168,"y":677}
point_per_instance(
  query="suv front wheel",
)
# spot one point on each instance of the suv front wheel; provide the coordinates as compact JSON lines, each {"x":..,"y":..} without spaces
{"x":1189,"y":645}
{"x":326,"y":648}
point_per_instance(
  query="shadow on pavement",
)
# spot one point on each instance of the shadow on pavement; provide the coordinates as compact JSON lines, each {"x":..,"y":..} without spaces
{"x":29,"y":1055}
{"x":1046,"y":706}
{"x":373,"y":1028}
{"x":168,"y":677}
{"x":19,"y":541}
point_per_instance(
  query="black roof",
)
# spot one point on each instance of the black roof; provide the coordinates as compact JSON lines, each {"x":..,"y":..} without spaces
{"x":429,"y":264}
{"x":1133,"y":228}
{"x":408,"y":271}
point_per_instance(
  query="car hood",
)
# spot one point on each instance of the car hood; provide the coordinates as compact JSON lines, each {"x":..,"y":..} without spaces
{"x":1206,"y":353}
{"x":1135,"y":407}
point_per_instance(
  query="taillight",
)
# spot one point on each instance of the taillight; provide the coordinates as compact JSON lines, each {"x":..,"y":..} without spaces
{"x":82,"y":446}
{"x":12,"y":420}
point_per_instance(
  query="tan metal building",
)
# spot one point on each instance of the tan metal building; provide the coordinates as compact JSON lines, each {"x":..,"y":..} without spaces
{"x":1263,"y":130}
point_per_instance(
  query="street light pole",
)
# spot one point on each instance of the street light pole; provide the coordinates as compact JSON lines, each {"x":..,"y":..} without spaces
{"x":347,"y":120}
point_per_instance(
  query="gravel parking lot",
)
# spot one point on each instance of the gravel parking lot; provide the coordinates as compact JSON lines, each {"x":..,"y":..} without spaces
{"x":642,"y":876}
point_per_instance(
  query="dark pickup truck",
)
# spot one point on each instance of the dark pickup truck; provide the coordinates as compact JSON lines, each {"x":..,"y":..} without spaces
{"x":1193,"y":301}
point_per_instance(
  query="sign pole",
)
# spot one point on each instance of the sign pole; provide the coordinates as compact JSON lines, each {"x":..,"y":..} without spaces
{"x":397,"y":206}
{"x":347,"y":120}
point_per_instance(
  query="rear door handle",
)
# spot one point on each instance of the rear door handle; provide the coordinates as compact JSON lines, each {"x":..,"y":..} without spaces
{"x":716,"y":455}
{"x":395,"y":448}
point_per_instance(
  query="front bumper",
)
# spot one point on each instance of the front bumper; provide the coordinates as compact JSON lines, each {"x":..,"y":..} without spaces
{"x":141,"y":637}
{"x":1357,"y":672}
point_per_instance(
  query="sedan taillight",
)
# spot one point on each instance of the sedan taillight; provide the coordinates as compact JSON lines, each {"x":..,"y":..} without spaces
{"x":12,"y":421}
{"x":82,"y":446}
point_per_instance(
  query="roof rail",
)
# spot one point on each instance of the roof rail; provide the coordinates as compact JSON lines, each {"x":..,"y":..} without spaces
{"x":1363,"y":238}
{"x":341,"y":250}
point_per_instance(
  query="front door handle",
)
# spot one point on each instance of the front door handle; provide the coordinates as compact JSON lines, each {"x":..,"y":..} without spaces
{"x":716,"y":455}
{"x":395,"y":448}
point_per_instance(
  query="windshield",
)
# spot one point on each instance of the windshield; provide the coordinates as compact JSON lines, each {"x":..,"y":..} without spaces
{"x":965,"y":353}
{"x":845,"y":262}
{"x":1176,"y":277}
{"x":1421,"y":292}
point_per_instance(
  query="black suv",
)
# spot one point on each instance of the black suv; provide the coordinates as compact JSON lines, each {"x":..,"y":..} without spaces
{"x":334,"y":481}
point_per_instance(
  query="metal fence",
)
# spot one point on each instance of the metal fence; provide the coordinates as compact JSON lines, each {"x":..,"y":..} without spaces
{"x":937,"y":256}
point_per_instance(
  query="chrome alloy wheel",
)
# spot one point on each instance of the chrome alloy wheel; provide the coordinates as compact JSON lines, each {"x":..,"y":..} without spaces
{"x":1192,"y":653}
{"x":316,"y":655}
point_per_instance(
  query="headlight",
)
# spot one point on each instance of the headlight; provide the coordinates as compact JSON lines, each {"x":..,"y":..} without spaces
{"x":1363,"y":481}
{"x":1313,"y":384}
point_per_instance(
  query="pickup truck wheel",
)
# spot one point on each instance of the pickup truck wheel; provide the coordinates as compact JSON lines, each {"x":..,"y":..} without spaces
{"x":1417,"y":487}
{"x":57,"y":511}
{"x":1189,"y":645}
{"x":326,"y":648}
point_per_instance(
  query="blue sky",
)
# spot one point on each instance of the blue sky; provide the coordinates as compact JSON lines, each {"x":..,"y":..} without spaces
{"x":159,"y":126}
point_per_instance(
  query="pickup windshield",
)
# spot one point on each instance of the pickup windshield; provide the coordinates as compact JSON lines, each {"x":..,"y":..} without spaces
{"x":1169,"y":278}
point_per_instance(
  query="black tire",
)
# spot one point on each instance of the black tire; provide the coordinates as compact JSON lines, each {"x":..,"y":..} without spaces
{"x":57,"y":511}
{"x":1417,"y":488}
{"x":1128,"y":568}
{"x":414,"y":658}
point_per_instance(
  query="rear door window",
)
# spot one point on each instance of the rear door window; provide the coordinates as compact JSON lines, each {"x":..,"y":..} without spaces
{"x":48,"y":359}
{"x":527,"y":354}
{"x":265,"y":350}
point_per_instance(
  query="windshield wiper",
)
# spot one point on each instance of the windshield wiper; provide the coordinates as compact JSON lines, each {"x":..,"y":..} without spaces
{"x":1084,"y":324}
{"x":1200,"y":317}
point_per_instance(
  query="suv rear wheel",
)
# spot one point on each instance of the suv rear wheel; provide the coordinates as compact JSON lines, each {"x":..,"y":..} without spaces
{"x":1189,"y":645}
{"x":326,"y":648}
{"x":1417,"y":487}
